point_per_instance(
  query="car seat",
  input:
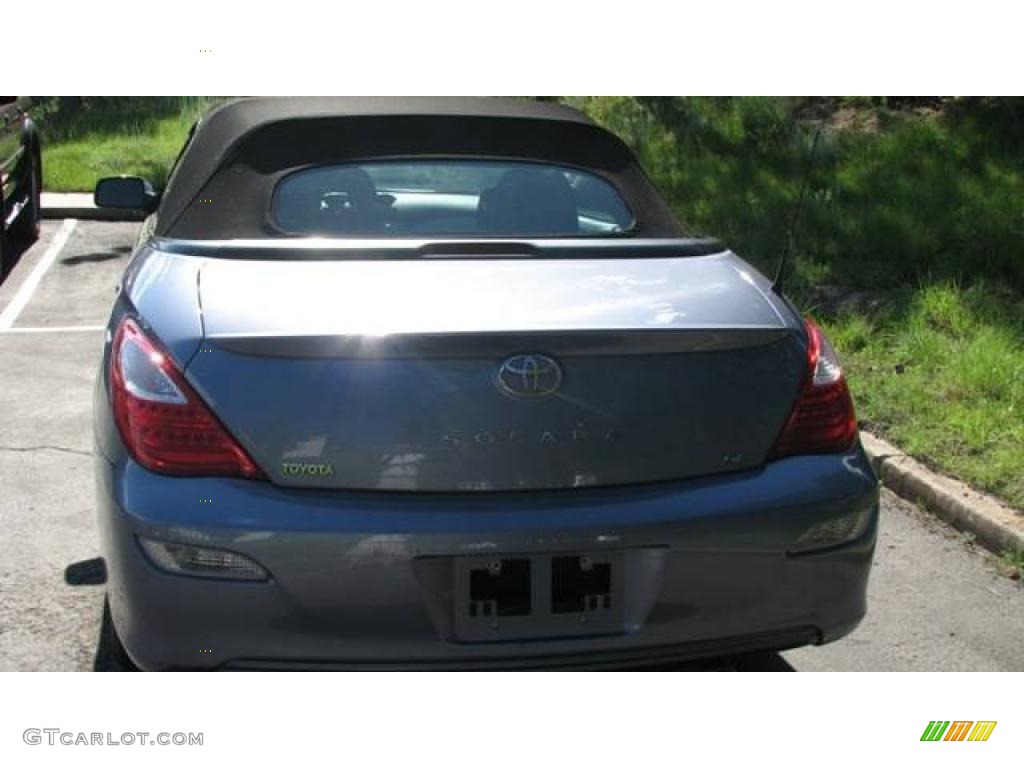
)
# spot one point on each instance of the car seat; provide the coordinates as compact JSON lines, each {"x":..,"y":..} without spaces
{"x":529,"y":201}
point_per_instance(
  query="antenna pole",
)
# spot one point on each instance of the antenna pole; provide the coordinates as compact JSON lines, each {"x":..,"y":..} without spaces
{"x":797,"y":209}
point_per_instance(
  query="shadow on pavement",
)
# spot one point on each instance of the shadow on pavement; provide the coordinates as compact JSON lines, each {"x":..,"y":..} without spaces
{"x":110,"y":654}
{"x":115,"y":252}
{"x":12,"y":253}
{"x":763,"y":662}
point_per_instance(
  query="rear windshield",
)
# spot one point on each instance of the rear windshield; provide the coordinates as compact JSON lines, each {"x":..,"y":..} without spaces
{"x":474,"y":198}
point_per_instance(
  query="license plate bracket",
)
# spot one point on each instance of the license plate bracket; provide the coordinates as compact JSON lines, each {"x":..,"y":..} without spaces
{"x":522,"y":597}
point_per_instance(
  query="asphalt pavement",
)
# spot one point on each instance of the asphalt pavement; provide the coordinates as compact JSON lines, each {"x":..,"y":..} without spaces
{"x":936,"y":602}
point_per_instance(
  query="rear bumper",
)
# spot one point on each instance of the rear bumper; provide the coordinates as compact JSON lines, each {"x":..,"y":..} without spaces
{"x":349,"y":587}
{"x":623,"y":658}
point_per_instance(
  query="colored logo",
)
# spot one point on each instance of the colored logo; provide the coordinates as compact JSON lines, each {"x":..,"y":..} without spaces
{"x":958,"y":730}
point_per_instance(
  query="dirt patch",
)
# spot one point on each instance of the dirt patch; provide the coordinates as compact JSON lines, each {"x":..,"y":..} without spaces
{"x":833,"y":300}
{"x":869,"y":114}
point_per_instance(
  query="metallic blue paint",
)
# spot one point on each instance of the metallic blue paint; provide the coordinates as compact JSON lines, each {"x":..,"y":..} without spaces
{"x":361,"y":572}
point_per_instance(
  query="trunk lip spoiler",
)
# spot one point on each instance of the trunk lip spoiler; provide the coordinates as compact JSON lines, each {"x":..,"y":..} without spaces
{"x":474,"y":345}
{"x":448,"y":249}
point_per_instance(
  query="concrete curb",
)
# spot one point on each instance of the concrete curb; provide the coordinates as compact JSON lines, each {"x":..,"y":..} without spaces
{"x":994,"y":525}
{"x":79,"y":205}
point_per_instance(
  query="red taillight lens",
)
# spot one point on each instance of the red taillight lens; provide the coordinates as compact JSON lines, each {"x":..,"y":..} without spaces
{"x":822,"y":421}
{"x":164,"y":424}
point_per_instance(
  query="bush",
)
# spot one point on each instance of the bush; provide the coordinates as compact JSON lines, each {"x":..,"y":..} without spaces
{"x":938,"y":195}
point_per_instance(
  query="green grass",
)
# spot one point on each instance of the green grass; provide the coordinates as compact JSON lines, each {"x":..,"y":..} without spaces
{"x":922,"y":197}
{"x":939,"y":370}
{"x":1012,"y":564}
{"x":85,"y":141}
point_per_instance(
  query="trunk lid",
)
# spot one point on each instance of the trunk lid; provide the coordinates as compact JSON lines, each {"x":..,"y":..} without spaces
{"x":434,"y":375}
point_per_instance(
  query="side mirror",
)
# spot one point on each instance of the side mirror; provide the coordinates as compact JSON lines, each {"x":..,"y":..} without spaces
{"x":126,"y":192}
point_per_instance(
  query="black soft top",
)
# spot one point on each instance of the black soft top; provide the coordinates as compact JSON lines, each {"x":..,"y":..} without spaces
{"x":222,"y":185}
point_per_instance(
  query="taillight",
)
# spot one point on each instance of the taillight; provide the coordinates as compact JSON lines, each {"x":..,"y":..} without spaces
{"x":164,"y":424}
{"x":822,"y":420}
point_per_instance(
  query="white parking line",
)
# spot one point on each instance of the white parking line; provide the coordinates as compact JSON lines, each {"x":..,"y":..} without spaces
{"x":21,"y":298}
{"x":55,"y":329}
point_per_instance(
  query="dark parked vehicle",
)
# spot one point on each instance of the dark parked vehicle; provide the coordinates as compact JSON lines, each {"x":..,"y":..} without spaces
{"x":444,"y":383}
{"x":21,"y":177}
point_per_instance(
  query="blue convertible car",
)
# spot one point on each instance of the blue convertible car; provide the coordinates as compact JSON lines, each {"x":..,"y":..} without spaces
{"x":442,"y":383}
